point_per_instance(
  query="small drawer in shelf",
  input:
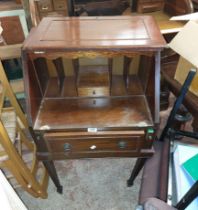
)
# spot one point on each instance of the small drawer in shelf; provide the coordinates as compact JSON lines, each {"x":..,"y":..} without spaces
{"x":93,"y":91}
{"x":45,"y":6}
{"x":60,"y":4}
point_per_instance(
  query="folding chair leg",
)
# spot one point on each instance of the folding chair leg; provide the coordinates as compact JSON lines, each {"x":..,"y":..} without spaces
{"x":20,"y":178}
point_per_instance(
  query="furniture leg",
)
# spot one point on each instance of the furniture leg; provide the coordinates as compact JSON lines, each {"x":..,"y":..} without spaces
{"x":49,"y":164}
{"x":138,"y":166}
{"x":134,"y":5}
{"x":70,"y":6}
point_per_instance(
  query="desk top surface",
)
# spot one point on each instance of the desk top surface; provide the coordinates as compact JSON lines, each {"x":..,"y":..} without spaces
{"x":96,"y":33}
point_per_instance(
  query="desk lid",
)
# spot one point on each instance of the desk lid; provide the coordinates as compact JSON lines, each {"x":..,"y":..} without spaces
{"x":95,"y":33}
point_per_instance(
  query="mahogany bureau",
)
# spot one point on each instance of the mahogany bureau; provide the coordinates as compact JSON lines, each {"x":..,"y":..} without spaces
{"x":93,"y":112}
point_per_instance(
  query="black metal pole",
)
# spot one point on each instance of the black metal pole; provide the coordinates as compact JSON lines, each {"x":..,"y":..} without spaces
{"x":190,"y":134}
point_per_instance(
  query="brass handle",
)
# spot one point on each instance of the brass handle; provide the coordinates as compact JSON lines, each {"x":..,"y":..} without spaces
{"x":122,"y":144}
{"x":45,"y":8}
{"x":67,"y":147}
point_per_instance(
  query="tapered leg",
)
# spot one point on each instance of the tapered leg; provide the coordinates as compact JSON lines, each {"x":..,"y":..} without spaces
{"x":138,"y":166}
{"x":49,"y":164}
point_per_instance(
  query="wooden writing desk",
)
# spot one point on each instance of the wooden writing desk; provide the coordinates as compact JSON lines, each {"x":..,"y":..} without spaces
{"x":92,"y":113}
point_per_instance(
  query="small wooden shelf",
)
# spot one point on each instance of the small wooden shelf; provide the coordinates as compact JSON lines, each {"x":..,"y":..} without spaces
{"x":93,"y":81}
{"x":69,"y":88}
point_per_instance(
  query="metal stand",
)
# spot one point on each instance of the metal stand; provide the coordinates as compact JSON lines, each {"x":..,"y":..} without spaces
{"x":177,"y":104}
{"x":193,"y":192}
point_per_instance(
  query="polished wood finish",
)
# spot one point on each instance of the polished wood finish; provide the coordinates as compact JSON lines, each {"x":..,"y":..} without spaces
{"x":93,"y":112}
{"x":125,"y":34}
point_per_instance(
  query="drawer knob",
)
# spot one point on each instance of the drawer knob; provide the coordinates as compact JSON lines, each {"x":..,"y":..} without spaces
{"x":122,"y":144}
{"x":93,"y":147}
{"x":45,"y":8}
{"x":67,"y":147}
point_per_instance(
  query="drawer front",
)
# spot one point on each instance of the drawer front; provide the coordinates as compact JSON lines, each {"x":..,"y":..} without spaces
{"x":71,"y":145}
{"x":98,"y":143}
{"x":150,"y":7}
{"x":93,"y":91}
{"x":79,"y":145}
{"x":53,"y":14}
{"x":45,"y":5}
{"x":60,"y":4}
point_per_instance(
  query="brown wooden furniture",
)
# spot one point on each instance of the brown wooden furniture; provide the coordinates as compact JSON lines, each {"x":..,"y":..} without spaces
{"x":149,"y":5}
{"x":17,"y":150}
{"x":172,"y":7}
{"x":44,"y":8}
{"x":105,"y":115}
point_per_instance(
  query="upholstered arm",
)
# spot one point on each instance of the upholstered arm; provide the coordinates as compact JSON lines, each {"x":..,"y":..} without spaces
{"x":178,"y":7}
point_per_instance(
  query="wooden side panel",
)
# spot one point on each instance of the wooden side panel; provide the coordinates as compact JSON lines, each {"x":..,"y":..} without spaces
{"x":146,"y":75}
{"x":42,"y":73}
{"x":32,"y":89}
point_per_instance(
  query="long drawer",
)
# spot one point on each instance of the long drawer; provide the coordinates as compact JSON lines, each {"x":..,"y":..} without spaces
{"x":101,"y":144}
